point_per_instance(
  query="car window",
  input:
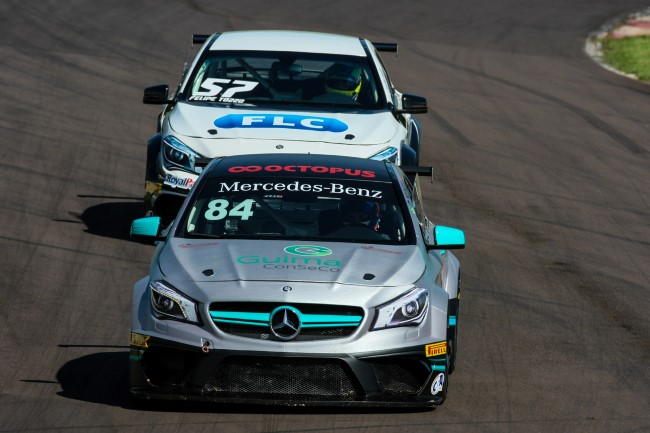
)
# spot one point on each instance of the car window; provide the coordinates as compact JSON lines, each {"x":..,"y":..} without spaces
{"x":232,"y":77}
{"x":296,"y":208}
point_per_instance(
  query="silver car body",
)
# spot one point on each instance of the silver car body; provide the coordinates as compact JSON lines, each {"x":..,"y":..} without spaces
{"x":316,"y":280}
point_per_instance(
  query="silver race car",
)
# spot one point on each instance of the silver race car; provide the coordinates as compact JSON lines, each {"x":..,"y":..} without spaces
{"x":251,"y":92}
{"x":298,"y":280}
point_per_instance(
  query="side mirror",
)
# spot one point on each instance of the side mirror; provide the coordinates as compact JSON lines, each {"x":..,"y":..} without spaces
{"x":446,"y":238}
{"x":158,"y":94}
{"x":146,"y":228}
{"x":413,"y":104}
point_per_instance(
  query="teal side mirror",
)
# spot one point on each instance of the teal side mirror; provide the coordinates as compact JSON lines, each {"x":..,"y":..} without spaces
{"x":148,"y":227}
{"x":448,"y":238}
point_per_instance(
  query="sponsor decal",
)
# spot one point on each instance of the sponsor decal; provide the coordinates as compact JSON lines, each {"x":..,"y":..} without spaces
{"x":211,"y":90}
{"x":308,"y":250}
{"x":207,"y":244}
{"x":380,"y":250}
{"x":438,"y":384}
{"x":436,"y":349}
{"x":286,"y":121}
{"x":139,"y":340}
{"x":293,"y":263}
{"x":297,"y":186}
{"x":179,"y":182}
{"x":318,"y":169}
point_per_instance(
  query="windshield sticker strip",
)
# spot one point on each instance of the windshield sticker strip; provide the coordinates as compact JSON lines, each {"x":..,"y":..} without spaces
{"x":317,"y":169}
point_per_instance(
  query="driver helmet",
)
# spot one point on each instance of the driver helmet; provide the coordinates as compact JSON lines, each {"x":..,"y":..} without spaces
{"x":343,"y":80}
{"x":360,"y":212}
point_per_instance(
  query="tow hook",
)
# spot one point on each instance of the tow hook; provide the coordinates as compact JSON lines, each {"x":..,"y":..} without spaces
{"x":206,"y":346}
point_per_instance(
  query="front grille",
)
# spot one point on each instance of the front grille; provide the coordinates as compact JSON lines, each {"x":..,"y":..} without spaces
{"x":400,"y":376}
{"x":282,"y":378}
{"x":305,"y":335}
{"x":251,"y":320}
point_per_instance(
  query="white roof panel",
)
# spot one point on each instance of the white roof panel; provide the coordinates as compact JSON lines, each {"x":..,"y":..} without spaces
{"x":288,"y":40}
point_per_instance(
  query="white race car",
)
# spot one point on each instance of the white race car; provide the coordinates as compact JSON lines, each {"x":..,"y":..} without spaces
{"x":253,"y":92}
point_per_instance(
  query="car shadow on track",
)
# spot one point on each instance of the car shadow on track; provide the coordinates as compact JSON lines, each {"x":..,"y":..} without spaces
{"x":96,"y":378}
{"x":112,"y":220}
{"x":102,"y":378}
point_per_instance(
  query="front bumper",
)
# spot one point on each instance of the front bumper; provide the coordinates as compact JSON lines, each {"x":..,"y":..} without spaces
{"x":169,"y":370}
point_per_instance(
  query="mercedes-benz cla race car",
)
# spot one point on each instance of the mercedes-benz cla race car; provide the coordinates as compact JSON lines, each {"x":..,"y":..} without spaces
{"x":251,"y":92}
{"x":298,"y":280}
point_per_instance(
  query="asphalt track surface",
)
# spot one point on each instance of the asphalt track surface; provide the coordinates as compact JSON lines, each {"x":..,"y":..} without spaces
{"x":541,"y":156}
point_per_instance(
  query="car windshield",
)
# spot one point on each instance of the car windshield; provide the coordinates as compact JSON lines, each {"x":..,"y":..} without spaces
{"x":294,"y":79}
{"x":297,"y":208}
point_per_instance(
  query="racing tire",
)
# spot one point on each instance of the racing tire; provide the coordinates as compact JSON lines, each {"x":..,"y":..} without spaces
{"x":452,"y":331}
{"x":414,"y":142}
{"x":452,"y":346}
{"x":408,"y":157}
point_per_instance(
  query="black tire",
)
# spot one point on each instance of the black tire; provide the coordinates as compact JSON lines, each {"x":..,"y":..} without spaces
{"x":452,"y":346}
{"x":408,"y":157}
{"x":452,"y":332}
{"x":414,"y":142}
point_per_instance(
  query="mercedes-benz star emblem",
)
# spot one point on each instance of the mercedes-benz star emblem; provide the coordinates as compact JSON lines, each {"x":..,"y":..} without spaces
{"x":285,"y":323}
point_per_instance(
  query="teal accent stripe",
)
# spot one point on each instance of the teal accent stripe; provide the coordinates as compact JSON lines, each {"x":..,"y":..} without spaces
{"x":438,"y":367}
{"x":240,"y":322}
{"x":255,"y":319}
{"x":452,"y":320}
{"x":327,"y":325}
{"x":329,"y":320}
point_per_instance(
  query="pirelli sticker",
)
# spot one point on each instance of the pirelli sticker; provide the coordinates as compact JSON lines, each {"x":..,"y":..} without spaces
{"x":436,"y":349}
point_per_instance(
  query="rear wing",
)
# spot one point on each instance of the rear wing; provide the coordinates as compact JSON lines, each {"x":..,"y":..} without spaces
{"x":413,"y":171}
{"x":202,"y":162}
{"x":390,"y":47}
{"x":199,"y":39}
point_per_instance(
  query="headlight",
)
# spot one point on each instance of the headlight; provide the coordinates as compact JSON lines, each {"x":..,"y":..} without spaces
{"x":388,"y":154}
{"x":409,"y":309}
{"x":169,"y":303}
{"x":178,"y":154}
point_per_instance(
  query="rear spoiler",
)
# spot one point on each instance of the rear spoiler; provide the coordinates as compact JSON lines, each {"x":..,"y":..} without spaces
{"x":389,"y":47}
{"x":412,"y":171}
{"x":415,"y":169}
{"x":199,"y":39}
{"x":202,"y":162}
{"x":380,"y":46}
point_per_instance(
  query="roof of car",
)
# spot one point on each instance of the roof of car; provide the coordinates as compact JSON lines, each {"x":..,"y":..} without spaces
{"x":292,"y":165}
{"x":288,"y":40}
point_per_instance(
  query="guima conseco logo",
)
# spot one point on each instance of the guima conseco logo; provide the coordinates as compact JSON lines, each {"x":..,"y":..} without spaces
{"x":308,"y":250}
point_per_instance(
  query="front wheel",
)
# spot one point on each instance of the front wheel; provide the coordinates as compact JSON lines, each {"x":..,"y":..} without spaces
{"x":452,"y":334}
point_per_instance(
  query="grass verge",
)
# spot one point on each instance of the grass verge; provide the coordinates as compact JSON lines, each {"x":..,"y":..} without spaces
{"x":630,"y":55}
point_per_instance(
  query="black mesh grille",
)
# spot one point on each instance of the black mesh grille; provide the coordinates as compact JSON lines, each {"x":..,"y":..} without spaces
{"x":282,"y":378}
{"x":401,"y":376}
{"x":263,"y":333}
{"x":306,"y":334}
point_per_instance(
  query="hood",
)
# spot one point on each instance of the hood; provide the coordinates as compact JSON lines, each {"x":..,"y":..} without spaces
{"x":203,"y":128}
{"x":209,"y":260}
